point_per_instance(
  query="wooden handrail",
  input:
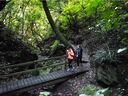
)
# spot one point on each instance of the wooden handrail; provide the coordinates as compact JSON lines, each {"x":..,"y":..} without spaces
{"x":31,"y":62}
{"x":31,"y":70}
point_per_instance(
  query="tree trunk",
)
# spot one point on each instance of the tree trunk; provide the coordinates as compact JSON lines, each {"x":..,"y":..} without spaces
{"x":55,"y":29}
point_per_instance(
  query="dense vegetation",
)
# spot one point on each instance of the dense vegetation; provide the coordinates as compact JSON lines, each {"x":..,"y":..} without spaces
{"x":101,"y":26}
{"x":28,"y":21}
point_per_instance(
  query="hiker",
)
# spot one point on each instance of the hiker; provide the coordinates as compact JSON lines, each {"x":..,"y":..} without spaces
{"x":70,"y":57}
{"x":79,"y":51}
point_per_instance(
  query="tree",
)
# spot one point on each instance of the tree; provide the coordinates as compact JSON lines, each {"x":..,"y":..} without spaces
{"x":55,"y":29}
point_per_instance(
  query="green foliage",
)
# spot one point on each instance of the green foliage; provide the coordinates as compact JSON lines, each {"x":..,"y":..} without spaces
{"x":76,"y":11}
{"x":45,"y":93}
{"x":71,"y":12}
{"x":92,"y":90}
{"x":103,"y":55}
{"x":35,"y":14}
{"x":44,"y":71}
{"x":54,"y":45}
{"x":108,"y":15}
{"x":27,"y":19}
{"x":91,"y":6}
{"x":35,"y":73}
{"x":112,"y":16}
{"x":88,"y":90}
{"x":64,"y":21}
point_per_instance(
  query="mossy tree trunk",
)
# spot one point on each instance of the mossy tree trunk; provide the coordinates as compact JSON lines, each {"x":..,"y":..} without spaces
{"x":55,"y":29}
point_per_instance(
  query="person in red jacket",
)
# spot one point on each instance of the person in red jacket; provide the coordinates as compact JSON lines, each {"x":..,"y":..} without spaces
{"x":70,"y":56}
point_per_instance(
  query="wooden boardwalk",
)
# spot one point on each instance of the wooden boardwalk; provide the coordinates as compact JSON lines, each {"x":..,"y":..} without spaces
{"x":44,"y":80}
{"x":53,"y":78}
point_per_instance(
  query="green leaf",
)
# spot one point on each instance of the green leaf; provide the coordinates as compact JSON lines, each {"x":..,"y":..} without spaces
{"x":45,"y":93}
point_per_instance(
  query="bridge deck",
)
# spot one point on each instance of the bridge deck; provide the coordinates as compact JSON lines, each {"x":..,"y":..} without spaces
{"x":43,"y":80}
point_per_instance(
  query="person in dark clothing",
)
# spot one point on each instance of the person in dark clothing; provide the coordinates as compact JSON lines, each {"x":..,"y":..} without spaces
{"x":79,"y":52}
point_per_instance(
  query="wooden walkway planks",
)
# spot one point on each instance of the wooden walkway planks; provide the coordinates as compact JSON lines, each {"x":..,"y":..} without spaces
{"x":39,"y":80}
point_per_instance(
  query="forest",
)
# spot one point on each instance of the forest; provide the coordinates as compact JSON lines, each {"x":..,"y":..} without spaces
{"x":35,"y":35}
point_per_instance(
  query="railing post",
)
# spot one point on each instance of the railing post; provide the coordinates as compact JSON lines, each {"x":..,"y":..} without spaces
{"x":65,"y":63}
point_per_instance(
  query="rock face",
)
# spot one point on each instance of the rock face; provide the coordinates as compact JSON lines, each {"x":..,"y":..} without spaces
{"x":107,"y":75}
{"x":13,"y":50}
